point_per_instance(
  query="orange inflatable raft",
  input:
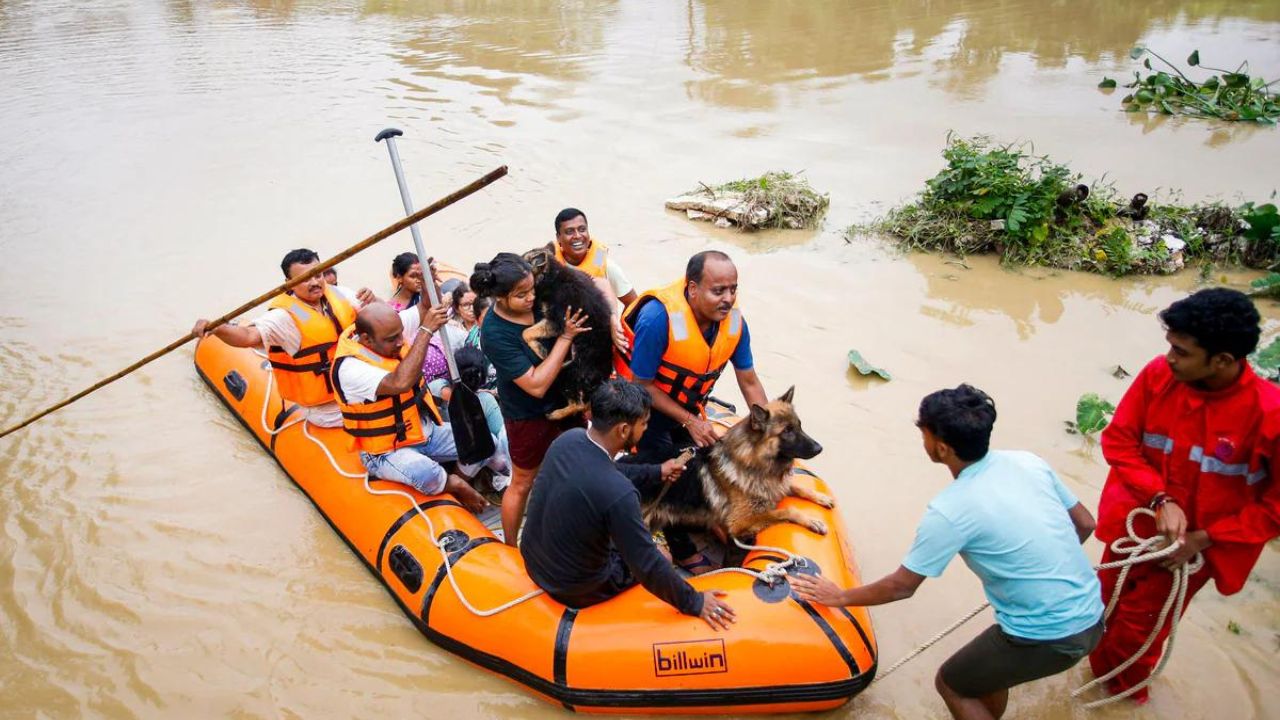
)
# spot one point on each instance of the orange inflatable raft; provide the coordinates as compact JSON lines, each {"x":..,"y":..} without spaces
{"x":632,"y":654}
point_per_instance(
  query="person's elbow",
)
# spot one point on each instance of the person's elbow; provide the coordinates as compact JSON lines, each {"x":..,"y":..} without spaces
{"x":1086,"y":528}
{"x":1083,"y":520}
{"x":902,"y":590}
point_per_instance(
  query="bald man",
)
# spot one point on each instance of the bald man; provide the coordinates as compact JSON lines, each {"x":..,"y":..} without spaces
{"x":392,"y":420}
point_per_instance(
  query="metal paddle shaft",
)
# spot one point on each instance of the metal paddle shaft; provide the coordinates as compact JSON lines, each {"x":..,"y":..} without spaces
{"x":466,"y":414}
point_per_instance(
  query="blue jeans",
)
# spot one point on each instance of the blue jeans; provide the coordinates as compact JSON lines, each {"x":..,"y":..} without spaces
{"x":418,"y":466}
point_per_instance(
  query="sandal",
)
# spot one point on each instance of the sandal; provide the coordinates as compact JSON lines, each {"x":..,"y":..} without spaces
{"x":697,"y":565}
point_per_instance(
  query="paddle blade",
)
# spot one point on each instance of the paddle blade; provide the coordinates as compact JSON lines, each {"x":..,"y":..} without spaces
{"x":470,"y":430}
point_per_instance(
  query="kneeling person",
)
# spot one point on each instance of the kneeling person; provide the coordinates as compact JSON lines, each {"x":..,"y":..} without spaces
{"x":1019,"y":529}
{"x":584,"y":539}
{"x":378,"y":382}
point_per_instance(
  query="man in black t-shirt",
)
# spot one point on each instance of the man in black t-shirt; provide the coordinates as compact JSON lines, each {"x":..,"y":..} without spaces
{"x":584,"y":538}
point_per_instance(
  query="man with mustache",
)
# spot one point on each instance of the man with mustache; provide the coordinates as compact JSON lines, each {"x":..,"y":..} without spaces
{"x":682,"y":336}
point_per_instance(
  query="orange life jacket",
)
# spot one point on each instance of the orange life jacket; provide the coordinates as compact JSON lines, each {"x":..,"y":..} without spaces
{"x":303,"y":377}
{"x":689,"y":368}
{"x":389,"y":422}
{"x":596,"y":262}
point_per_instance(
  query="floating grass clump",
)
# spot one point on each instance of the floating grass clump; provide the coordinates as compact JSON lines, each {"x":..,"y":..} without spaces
{"x":773,"y":200}
{"x":1032,"y":211}
{"x":1228,"y":95}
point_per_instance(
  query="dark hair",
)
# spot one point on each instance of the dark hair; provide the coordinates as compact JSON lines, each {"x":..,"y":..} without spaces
{"x":458,"y":292}
{"x":693,"y":271}
{"x":1220,"y":320}
{"x":498,"y":276}
{"x":471,"y":366}
{"x":330,"y":271}
{"x":401,"y":263}
{"x":301,"y":256}
{"x":566,"y":215}
{"x":961,"y":417}
{"x":618,"y":401}
{"x":479,"y":305}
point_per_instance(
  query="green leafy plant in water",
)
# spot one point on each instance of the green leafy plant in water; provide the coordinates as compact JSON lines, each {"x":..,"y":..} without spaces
{"x":1267,"y":286}
{"x":1227,"y":95}
{"x":1092,"y":415}
{"x":1266,"y":361}
{"x":1116,"y":248}
{"x":1000,"y":199}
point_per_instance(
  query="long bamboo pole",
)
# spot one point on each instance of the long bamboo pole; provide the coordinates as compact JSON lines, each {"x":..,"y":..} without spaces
{"x":365,"y":244}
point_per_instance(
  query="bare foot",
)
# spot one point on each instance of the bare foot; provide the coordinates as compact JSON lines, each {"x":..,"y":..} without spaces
{"x":465,"y":494}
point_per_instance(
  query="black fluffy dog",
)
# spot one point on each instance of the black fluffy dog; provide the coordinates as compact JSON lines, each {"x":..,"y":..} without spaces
{"x":557,"y":288}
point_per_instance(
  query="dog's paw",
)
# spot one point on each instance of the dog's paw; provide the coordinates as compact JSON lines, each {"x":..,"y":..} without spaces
{"x":817,"y":526}
{"x":825,"y":501}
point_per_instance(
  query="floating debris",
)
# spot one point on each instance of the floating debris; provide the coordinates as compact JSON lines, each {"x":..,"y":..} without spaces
{"x":773,"y":200}
{"x":1231,"y":95}
{"x":1033,"y":211}
{"x":865,"y":368}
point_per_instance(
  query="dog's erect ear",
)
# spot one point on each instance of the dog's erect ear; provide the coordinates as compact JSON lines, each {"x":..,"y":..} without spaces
{"x":786,"y":396}
{"x":759,"y":418}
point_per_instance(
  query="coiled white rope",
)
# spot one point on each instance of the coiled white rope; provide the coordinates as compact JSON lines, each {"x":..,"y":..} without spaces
{"x":1139,"y":550}
{"x":773,"y":572}
{"x":431,"y":530}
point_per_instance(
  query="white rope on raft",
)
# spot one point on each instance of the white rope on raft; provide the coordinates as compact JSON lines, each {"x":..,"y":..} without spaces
{"x":1139,"y":550}
{"x":770,"y":574}
{"x":431,"y":529}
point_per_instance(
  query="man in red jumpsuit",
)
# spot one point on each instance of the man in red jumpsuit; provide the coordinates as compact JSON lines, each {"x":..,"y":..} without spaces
{"x":1197,"y":439}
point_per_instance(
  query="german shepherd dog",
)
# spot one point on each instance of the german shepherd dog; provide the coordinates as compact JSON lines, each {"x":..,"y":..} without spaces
{"x":556,"y":288}
{"x":737,"y":482}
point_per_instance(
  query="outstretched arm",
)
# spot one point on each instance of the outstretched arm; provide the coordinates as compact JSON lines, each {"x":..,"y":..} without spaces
{"x":241,"y":336}
{"x":898,"y":585}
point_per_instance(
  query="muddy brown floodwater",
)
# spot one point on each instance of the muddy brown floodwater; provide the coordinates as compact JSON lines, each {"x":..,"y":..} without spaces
{"x":159,"y":157}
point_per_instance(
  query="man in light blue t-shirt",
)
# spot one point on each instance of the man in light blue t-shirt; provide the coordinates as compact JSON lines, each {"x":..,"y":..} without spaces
{"x":1019,"y":529}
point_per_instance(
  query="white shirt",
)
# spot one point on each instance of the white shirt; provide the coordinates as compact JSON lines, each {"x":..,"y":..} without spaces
{"x":278,"y":329}
{"x":360,"y":379}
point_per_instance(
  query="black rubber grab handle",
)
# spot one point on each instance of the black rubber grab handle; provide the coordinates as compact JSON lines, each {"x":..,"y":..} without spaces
{"x":388,"y":133}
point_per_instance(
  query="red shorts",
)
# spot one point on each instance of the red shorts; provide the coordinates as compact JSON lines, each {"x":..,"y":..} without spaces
{"x":528,"y":440}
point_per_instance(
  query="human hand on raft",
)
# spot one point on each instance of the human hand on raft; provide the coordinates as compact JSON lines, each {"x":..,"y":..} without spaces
{"x":1195,"y":541}
{"x":816,"y":588}
{"x":575,"y":323}
{"x":716,"y":612}
{"x":1171,"y":522}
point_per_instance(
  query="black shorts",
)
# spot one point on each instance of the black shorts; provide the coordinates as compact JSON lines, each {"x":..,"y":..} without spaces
{"x":996,"y":660}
